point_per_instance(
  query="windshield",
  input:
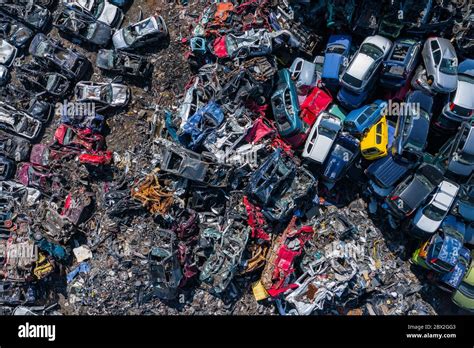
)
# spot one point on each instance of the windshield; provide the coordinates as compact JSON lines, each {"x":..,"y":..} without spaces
{"x":43,"y":48}
{"x":434,"y":213}
{"x":337,"y":49}
{"x":107,"y":93}
{"x":326,"y":131}
{"x":351,"y":80}
{"x":449,"y":66}
{"x":371,"y":50}
{"x":129,"y":35}
{"x":98,"y":8}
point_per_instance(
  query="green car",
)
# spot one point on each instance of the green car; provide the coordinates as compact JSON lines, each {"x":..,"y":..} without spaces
{"x":464,"y":295}
{"x":419,"y":255}
{"x":336,"y":111}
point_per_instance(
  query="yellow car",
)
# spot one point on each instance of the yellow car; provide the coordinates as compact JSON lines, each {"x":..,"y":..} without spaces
{"x":375,"y":143}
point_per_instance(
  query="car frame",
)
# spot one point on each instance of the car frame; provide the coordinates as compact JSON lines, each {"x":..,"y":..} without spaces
{"x":50,"y":52}
{"x":107,"y":94}
{"x":19,"y":122}
{"x":154,"y":33}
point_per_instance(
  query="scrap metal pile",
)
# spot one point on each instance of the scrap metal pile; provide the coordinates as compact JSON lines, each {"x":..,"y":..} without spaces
{"x":300,"y":171}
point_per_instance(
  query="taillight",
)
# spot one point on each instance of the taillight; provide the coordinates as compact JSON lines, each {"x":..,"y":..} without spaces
{"x":451,"y":106}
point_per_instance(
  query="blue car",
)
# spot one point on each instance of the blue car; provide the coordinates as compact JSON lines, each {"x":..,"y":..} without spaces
{"x":335,"y":59}
{"x":285,"y":106}
{"x":451,"y":280}
{"x":400,"y":63}
{"x":360,"y":120}
{"x":200,"y":125}
{"x":443,"y":252}
{"x":345,"y":151}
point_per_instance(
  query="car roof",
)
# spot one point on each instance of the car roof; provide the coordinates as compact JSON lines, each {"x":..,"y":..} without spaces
{"x":360,"y":66}
{"x":415,"y":192}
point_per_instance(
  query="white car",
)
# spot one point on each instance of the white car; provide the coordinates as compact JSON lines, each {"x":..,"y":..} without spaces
{"x":146,"y":32}
{"x":321,"y":137}
{"x":7,"y":53}
{"x":105,"y":94}
{"x":102,"y":10}
{"x":429,"y":217}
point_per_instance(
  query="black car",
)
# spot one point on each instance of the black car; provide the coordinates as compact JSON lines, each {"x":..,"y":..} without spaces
{"x":7,"y":168}
{"x":413,"y":124}
{"x":82,"y":26}
{"x":14,"y":32}
{"x":345,"y":151}
{"x":368,"y":18}
{"x":43,"y":82}
{"x":413,"y":191}
{"x":14,"y":147}
{"x":50,"y":52}
{"x":123,"y":63}
{"x":33,"y":15}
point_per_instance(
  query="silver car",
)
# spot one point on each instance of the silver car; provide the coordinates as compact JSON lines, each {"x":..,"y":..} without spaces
{"x":461,"y":107}
{"x":441,"y":64}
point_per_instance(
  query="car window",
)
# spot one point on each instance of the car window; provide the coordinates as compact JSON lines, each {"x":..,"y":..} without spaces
{"x":449,"y":66}
{"x":337,"y":49}
{"x":434,"y":45}
{"x":378,"y":129}
{"x":351,"y":80}
{"x":378,"y":139}
{"x":371,"y":50}
{"x":437,"y":56}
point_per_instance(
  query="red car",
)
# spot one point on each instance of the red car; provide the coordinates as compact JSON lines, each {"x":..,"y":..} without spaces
{"x":89,"y":146}
{"x":316,"y":102}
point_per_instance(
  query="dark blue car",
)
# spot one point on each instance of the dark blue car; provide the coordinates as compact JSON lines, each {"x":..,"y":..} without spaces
{"x":389,"y":170}
{"x":400,"y":64}
{"x":360,"y":120}
{"x":413,"y":125}
{"x":335,"y":59}
{"x":345,"y":151}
